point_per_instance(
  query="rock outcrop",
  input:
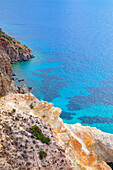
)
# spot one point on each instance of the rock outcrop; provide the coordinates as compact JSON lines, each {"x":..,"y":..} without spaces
{"x":7,"y":85}
{"x":21,"y":150}
{"x":15,"y":50}
{"x":82,"y":145}
{"x":23,"y":89}
{"x":11,"y":51}
{"x":104,"y":142}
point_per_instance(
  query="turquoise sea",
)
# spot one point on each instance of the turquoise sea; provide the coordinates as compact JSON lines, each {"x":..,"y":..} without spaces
{"x":73,"y":44}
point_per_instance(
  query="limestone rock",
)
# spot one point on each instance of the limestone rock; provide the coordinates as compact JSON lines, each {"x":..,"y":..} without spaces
{"x":23,"y":89}
{"x":104,"y":142}
{"x":7,"y":85}
{"x":19,"y":149}
{"x":103,"y":166}
{"x":80,"y":144}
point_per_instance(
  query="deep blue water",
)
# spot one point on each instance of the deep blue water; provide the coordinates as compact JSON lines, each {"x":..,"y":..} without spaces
{"x":73,"y":44}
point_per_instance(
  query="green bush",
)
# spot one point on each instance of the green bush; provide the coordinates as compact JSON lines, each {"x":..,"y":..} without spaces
{"x":3,"y":36}
{"x":31,"y":106}
{"x":8,"y":38}
{"x":13,"y":110}
{"x":36,"y":132}
{"x":20,"y":48}
{"x":42,"y":154}
{"x":14,"y":42}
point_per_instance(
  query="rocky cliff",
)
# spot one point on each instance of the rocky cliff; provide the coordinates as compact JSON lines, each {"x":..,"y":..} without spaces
{"x":28,"y":143}
{"x":7,"y":85}
{"x":15,"y":50}
{"x":10,"y":51}
{"x":87,"y":148}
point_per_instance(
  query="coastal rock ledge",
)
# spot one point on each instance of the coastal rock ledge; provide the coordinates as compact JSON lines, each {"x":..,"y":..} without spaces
{"x":83,"y":148}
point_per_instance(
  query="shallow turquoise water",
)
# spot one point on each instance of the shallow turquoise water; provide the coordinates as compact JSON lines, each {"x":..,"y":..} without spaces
{"x":73,"y":44}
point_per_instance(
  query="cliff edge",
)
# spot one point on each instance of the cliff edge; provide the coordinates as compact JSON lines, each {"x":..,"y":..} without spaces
{"x":11,"y":51}
{"x":87,"y":148}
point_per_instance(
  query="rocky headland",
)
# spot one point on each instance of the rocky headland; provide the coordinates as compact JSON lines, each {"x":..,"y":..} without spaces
{"x":33,"y":136}
{"x":11,"y":51}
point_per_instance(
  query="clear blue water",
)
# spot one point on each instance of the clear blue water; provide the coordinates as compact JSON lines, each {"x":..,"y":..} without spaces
{"x":73,"y":44}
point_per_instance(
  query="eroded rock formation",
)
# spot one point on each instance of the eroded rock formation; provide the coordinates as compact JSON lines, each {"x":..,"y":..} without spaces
{"x":82,"y":145}
{"x":10,"y":51}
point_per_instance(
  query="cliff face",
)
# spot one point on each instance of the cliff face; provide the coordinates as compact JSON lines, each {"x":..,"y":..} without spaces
{"x":15,"y":50}
{"x":85,"y":147}
{"x":5,"y":66}
{"x":10,"y":51}
{"x":7,"y":85}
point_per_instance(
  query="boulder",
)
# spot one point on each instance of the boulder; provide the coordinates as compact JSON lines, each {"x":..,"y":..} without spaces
{"x":23,"y":89}
{"x":7,"y":85}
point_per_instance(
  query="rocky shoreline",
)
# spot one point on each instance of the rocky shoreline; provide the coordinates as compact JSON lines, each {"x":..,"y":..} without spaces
{"x":11,"y":51}
{"x":53,"y":145}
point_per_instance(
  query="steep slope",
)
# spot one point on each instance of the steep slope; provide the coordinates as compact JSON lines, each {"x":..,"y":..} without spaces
{"x":10,"y":51}
{"x":80,"y":143}
{"x":27,"y":142}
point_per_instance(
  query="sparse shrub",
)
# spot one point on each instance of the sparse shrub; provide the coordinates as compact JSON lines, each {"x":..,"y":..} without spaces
{"x":13,"y":110}
{"x":36,"y":132}
{"x":44,"y":116}
{"x":31,"y":106}
{"x":8,"y":38}
{"x":20,"y":48}
{"x":3,"y":36}
{"x":14,"y":42}
{"x":42,"y":154}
